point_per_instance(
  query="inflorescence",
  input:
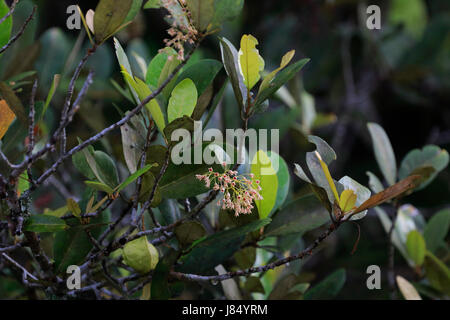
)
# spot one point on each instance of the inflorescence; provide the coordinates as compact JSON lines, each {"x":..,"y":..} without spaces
{"x":239,"y":190}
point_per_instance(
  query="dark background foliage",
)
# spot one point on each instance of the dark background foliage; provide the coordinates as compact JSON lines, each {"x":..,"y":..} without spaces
{"x":400,"y":81}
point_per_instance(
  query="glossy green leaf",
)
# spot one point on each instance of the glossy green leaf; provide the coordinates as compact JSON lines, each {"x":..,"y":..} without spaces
{"x":264,"y":172}
{"x":383,"y":152}
{"x":44,"y":223}
{"x":182,"y":101}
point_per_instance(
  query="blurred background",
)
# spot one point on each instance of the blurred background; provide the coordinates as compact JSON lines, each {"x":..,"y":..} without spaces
{"x":398,"y":77}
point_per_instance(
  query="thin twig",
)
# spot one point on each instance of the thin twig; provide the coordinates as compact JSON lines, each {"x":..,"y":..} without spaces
{"x":21,"y":31}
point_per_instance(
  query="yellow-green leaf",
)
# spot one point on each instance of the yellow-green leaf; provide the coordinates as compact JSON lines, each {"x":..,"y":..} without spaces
{"x":183,"y":100}
{"x":143,"y":92}
{"x":263,"y":171}
{"x":73,"y":207}
{"x":347,"y":200}
{"x":141,"y":255}
{"x":327,"y":175}
{"x":251,"y":64}
{"x":284,"y":62}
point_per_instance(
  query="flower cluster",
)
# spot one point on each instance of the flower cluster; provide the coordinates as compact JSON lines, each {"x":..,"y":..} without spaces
{"x":179,"y":33}
{"x":239,"y":190}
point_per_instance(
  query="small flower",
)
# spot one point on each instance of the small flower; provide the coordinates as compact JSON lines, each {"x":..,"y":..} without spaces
{"x":239,"y":190}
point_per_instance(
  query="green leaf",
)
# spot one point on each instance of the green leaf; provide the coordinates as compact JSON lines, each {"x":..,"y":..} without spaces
{"x":109,"y":16}
{"x":412,"y":14}
{"x":134,"y":177}
{"x":103,"y":167}
{"x":133,"y":142}
{"x":227,"y":10}
{"x":253,"y":284}
{"x":415,"y":246}
{"x":245,"y":257}
{"x":44,"y":223}
{"x":160,"y":282}
{"x":71,"y":246}
{"x":283,"y":177}
{"x":251,"y":64}
{"x":284,"y":62}
{"x":143,"y":92}
{"x":79,"y":161}
{"x":100,"y":186}
{"x":51,"y":93}
{"x":5,"y":30}
{"x":374,"y":183}
{"x":383,"y":152}
{"x":153,"y":4}
{"x":280,"y":79}
{"x":24,"y":183}
{"x":148,"y":182}
{"x":215,"y":249}
{"x":183,"y":100}
{"x":429,"y":156}
{"x":141,"y":255}
{"x":202,"y":73}
{"x":185,"y":122}
{"x":73,"y":207}
{"x":298,"y":217}
{"x":436,"y":230}
{"x":437,"y":273}
{"x":179,"y":181}
{"x":52,"y":60}
{"x":202,"y":13}
{"x":134,"y":10}
{"x":157,"y":65}
{"x":231,"y":64}
{"x":264,"y":172}
{"x":327,"y":288}
{"x":125,"y":63}
{"x":189,"y":232}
